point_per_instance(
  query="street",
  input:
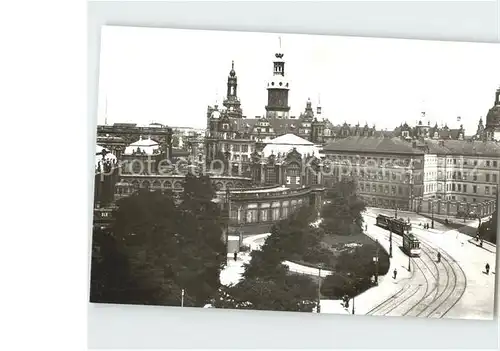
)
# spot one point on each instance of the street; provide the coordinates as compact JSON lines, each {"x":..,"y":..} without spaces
{"x":456,"y":287}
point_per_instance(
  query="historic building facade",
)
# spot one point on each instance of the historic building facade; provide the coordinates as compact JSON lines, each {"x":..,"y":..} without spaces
{"x":389,"y":171}
{"x":395,"y":173}
{"x":232,"y":136}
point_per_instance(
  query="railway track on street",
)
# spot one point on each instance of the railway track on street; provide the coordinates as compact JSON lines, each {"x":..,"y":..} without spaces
{"x":432,"y":290}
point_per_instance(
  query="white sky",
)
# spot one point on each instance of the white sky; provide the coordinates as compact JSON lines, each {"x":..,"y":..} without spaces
{"x":170,"y":76}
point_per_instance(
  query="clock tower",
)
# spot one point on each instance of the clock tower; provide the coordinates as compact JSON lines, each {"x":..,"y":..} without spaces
{"x":277,"y":90}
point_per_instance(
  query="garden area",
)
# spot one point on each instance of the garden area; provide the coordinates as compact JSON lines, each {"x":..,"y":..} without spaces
{"x":337,"y":244}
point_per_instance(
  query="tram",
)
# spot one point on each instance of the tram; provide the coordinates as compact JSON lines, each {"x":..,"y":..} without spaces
{"x":411,"y":245}
{"x":398,"y":226}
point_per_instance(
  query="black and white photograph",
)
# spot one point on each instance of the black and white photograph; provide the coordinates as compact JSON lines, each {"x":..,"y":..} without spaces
{"x":296,"y":173}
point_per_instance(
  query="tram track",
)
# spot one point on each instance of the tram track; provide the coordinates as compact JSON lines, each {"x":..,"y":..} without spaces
{"x":443,"y":289}
{"x":453,"y":289}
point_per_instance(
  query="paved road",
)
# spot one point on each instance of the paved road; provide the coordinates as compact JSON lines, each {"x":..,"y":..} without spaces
{"x":454,"y":288}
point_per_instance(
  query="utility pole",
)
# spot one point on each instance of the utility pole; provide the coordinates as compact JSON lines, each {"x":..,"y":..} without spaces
{"x":228,"y":204}
{"x":390,"y":241}
{"x":319,"y":290}
{"x":353,"y":303}
{"x":432,"y":220}
{"x":376,"y":265}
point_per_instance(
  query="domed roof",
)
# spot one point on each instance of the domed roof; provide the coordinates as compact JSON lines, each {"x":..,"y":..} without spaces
{"x":146,"y":146}
{"x":493,"y":117}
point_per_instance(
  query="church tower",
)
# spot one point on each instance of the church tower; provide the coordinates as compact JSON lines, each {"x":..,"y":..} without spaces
{"x":277,"y":90}
{"x":231,"y":102}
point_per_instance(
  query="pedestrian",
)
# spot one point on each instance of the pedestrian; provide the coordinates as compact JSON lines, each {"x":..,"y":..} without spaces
{"x":395,"y":273}
{"x":487,"y":268}
{"x":439,"y":256}
{"x":235,"y":255}
{"x":481,"y":243}
{"x":366,"y":227}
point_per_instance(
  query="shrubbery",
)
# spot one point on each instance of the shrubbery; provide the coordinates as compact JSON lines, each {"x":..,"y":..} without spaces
{"x":488,"y":230}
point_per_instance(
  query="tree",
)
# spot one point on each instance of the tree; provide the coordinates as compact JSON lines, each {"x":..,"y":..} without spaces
{"x":342,"y":213}
{"x":488,"y":230}
{"x":161,"y":248}
{"x":290,"y":292}
{"x":200,"y":232}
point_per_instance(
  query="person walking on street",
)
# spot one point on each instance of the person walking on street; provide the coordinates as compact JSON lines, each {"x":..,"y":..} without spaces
{"x":439,"y":257}
{"x":395,"y":273}
{"x":235,"y":255}
{"x":487,"y":268}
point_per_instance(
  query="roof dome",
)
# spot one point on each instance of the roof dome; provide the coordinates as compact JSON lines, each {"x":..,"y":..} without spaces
{"x":146,"y":146}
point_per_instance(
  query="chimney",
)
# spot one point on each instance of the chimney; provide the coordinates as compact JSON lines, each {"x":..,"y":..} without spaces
{"x":414,"y":144}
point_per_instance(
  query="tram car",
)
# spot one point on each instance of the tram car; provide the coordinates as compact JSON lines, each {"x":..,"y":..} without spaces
{"x":411,"y":245}
{"x":398,"y":226}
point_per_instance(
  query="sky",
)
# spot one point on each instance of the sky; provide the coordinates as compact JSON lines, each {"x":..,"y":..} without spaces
{"x":170,"y":76}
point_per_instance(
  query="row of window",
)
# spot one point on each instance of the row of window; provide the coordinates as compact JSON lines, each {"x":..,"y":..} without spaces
{"x":466,"y":162}
{"x":380,"y":161}
{"x":236,"y":147}
{"x":243,"y":158}
{"x":475,"y":188}
{"x":383,"y":189}
{"x":493,"y":178}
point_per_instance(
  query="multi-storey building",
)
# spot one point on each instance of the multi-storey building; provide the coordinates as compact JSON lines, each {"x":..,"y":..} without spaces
{"x":389,"y":171}
{"x":466,"y":171}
